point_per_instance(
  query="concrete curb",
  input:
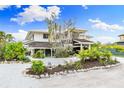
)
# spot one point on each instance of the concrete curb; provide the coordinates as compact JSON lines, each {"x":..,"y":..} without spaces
{"x":81,"y":70}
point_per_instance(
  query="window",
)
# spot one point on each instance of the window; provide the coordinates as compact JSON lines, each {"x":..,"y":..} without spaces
{"x":45,"y":36}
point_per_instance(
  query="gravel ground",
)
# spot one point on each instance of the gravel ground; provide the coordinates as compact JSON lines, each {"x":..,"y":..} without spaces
{"x":11,"y":77}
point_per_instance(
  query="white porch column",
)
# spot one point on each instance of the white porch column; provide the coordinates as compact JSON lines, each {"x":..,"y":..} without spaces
{"x":51,"y":52}
{"x":81,"y":47}
{"x":32,"y":52}
{"x":44,"y":52}
{"x":89,"y":47}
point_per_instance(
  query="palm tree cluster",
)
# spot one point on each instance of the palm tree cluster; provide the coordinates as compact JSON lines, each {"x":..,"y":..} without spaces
{"x":60,"y":34}
{"x":4,"y":38}
{"x":56,"y":36}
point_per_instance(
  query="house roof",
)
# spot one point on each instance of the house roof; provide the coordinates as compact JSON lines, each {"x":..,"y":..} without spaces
{"x":78,"y":30}
{"x":40,"y":44}
{"x":35,"y":31}
{"x":121,"y":35}
{"x":46,"y":31}
{"x":83,"y":40}
{"x":86,"y":35}
{"x":119,"y":42}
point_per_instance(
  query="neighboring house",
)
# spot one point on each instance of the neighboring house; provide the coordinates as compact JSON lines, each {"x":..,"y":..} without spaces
{"x":121,"y":42}
{"x":38,"y":39}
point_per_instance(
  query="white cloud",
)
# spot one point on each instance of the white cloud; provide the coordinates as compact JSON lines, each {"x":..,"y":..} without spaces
{"x":85,"y":7}
{"x":2,"y":7}
{"x":18,"y":6}
{"x":105,"y":39}
{"x":36,"y":13}
{"x":97,"y":23}
{"x":20,"y":35}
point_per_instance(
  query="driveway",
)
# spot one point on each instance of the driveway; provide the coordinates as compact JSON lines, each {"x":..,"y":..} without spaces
{"x":56,"y":61}
{"x":11,"y":77}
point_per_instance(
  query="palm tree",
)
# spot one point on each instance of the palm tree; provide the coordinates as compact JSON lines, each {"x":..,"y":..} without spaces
{"x":2,"y":36}
{"x":69,"y":26}
{"x":52,"y":29}
{"x":9,"y":37}
{"x":2,"y":39}
{"x":5,"y":37}
{"x":52,"y":26}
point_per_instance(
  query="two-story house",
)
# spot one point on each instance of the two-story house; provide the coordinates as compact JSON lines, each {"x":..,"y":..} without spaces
{"x":38,"y":39}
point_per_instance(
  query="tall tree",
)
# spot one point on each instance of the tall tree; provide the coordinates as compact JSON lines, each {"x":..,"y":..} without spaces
{"x":9,"y":38}
{"x":69,"y":27}
{"x":2,"y":37}
{"x":5,"y":37}
{"x":14,"y":50}
{"x":51,"y":26}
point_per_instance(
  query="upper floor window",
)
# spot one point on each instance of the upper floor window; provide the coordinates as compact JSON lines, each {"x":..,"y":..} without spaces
{"x":45,"y":36}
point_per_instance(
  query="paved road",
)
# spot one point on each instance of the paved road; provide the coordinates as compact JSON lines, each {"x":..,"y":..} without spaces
{"x":11,"y":76}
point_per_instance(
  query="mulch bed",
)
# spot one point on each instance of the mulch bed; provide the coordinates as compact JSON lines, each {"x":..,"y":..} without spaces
{"x":61,"y":68}
{"x":91,"y":64}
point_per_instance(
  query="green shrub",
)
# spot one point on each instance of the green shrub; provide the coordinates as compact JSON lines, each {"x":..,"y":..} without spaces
{"x":26,"y":59}
{"x":62,"y":52}
{"x":38,"y":67}
{"x":39,"y":54}
{"x":118,"y":48}
{"x":103,"y":62}
{"x":21,"y":57}
{"x":14,"y":50}
{"x":106,"y":54}
{"x":111,"y":61}
{"x":77,"y":65}
{"x":83,"y":54}
{"x":95,"y":54}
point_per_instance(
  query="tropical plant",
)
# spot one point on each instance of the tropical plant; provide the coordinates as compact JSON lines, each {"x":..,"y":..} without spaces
{"x":38,"y":67}
{"x":83,"y":54}
{"x":77,"y":65}
{"x":61,"y":52}
{"x":103,"y":61}
{"x":14,"y":50}
{"x":2,"y":35}
{"x":98,"y":54}
{"x":4,"y":38}
{"x":106,"y":54}
{"x":26,"y":59}
{"x":55,"y":31}
{"x":9,"y":38}
{"x":39,"y":54}
{"x":52,"y":26}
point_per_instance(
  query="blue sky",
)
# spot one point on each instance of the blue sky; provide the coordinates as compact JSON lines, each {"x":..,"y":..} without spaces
{"x":104,"y":23}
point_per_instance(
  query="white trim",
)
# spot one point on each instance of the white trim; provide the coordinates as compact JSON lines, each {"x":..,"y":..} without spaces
{"x":30,"y":41}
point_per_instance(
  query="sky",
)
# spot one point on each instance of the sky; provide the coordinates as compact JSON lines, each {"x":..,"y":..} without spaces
{"x":104,"y":23}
